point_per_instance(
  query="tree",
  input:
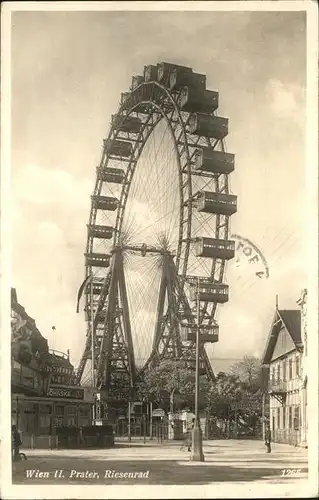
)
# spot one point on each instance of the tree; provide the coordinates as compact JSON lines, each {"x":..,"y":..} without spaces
{"x":172,"y":379}
{"x":248,"y":370}
{"x":223,"y":395}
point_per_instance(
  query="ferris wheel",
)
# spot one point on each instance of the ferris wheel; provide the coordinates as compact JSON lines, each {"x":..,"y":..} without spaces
{"x":158,"y":232}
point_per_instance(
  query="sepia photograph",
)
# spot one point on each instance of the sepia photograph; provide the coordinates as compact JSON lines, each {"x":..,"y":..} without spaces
{"x":159,"y":261}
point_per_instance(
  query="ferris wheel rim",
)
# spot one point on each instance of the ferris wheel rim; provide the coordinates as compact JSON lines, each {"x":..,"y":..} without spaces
{"x":133,"y":164}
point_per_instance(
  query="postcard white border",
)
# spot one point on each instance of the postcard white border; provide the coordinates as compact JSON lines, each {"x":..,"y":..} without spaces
{"x":217,"y":490}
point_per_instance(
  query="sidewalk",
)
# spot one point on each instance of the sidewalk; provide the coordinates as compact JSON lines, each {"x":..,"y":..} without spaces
{"x":242,"y":462}
{"x":241,"y":451}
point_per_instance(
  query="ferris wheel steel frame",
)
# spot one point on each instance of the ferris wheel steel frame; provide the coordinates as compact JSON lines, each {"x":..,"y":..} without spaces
{"x":150,"y":100}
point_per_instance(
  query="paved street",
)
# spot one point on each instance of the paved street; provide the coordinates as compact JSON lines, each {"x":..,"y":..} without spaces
{"x":166,"y":464}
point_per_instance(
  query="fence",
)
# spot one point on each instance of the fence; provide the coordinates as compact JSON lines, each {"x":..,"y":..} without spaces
{"x":288,"y":436}
{"x":224,"y":429}
{"x":211,"y":429}
{"x":45,"y":442}
{"x":141,"y":429}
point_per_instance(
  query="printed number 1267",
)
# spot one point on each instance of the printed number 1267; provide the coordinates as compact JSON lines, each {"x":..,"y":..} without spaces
{"x":290,"y":472}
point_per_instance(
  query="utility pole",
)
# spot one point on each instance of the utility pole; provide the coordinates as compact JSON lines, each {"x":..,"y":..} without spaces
{"x":151,"y":419}
{"x":92,"y":332}
{"x":129,"y":419}
{"x":95,"y":404}
{"x":197,"y":454}
{"x":263,"y":414}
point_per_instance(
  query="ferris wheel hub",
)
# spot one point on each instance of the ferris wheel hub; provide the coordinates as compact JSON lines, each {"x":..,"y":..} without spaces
{"x":143,"y":249}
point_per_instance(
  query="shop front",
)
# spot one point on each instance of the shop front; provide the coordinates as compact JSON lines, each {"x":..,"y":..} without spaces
{"x":41,"y":402}
{"x":38,"y":418}
{"x":41,"y":415}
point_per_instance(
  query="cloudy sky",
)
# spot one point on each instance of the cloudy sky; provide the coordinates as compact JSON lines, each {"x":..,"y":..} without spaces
{"x":68,"y":70}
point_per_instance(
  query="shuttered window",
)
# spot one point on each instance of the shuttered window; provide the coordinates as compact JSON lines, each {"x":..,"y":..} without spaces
{"x":290,"y":417}
{"x":297,"y":418}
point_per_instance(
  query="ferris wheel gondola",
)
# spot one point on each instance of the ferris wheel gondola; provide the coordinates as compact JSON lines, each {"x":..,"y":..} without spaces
{"x":158,"y":226}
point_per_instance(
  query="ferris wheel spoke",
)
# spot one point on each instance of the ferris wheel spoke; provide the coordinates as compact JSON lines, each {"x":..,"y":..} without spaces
{"x":173,"y":225}
{"x":148,"y":227}
{"x":142,"y":290}
{"x":143,"y":202}
{"x":151,"y":165}
{"x":161,"y":162}
{"x":165,"y":190}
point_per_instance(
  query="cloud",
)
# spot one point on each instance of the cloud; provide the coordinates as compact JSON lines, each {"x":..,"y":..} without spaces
{"x":42,"y":186}
{"x":286,"y":99}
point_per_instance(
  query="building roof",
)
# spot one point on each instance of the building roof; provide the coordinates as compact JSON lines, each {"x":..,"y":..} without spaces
{"x":38,"y":341}
{"x":291,"y":320}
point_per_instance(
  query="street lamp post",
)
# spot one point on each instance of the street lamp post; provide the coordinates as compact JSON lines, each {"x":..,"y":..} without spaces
{"x":95,"y":404}
{"x":197,"y":454}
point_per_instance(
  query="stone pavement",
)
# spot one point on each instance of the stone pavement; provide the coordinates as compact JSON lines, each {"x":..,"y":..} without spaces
{"x":233,"y":462}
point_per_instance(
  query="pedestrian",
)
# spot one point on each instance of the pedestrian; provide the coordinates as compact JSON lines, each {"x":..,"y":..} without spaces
{"x":16,"y":442}
{"x":81,"y":437}
{"x":189,"y":440}
{"x":189,"y":436}
{"x":268,"y":439}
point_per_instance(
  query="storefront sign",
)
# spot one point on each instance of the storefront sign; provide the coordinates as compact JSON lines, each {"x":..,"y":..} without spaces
{"x":65,"y":392}
{"x":62,"y":379}
{"x":158,"y":413}
{"x":58,"y":369}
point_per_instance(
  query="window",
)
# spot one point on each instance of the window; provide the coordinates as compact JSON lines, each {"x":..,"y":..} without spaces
{"x":59,"y":410}
{"x":45,"y":409}
{"x":71,"y":410}
{"x":290,"y":368}
{"x":278,"y":418}
{"x":284,"y":369}
{"x":71,"y":421}
{"x":297,"y":366}
{"x":16,"y":372}
{"x":38,"y":381}
{"x":138,"y":409}
{"x":278,"y":372}
{"x":297,"y":418}
{"x":45,"y":420}
{"x":284,"y":417}
{"x":290,"y":417}
{"x":84,"y":412}
{"x":27,"y":376}
{"x":58,"y":422}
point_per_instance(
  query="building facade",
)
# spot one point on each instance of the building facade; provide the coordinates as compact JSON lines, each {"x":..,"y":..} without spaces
{"x":302,"y":302}
{"x":284,"y":360}
{"x":44,"y":391}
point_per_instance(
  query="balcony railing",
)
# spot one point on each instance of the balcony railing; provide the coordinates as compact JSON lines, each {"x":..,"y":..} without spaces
{"x":277,"y":386}
{"x":58,"y":354}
